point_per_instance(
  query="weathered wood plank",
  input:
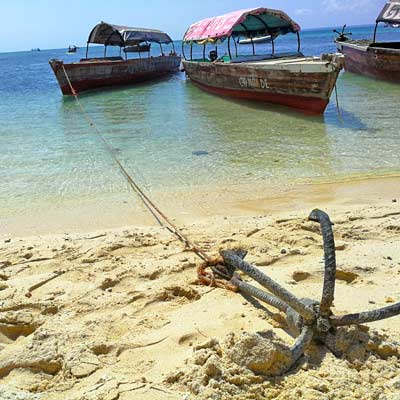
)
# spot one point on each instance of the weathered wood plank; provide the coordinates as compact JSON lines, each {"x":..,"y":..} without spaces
{"x":88,"y":75}
{"x":300,"y":84}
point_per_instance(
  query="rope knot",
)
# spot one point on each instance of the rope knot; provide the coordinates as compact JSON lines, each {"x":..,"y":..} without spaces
{"x":215,"y":273}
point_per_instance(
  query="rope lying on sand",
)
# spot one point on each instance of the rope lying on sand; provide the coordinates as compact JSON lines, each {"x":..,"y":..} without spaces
{"x":156,"y":212}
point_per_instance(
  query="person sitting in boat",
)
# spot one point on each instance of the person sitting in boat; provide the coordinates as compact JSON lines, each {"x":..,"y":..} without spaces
{"x":213,"y":56}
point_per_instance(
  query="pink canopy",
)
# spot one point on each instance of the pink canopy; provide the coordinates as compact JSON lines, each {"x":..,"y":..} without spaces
{"x":223,"y":26}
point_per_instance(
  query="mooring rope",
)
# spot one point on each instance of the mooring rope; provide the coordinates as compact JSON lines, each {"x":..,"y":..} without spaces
{"x":158,"y":215}
{"x":337,"y":101}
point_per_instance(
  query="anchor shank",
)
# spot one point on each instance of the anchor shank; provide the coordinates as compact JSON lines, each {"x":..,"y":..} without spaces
{"x":233,"y":260}
{"x":259,"y":294}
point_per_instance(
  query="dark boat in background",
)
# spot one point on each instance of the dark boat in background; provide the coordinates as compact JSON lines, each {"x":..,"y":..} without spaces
{"x":72,"y":49}
{"x":371,"y":58}
{"x":142,"y":48}
{"x":91,"y":73}
{"x":289,"y":79}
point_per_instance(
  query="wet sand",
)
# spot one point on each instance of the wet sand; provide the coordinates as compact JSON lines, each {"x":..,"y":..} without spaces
{"x":118,"y":313}
{"x":200,"y":203}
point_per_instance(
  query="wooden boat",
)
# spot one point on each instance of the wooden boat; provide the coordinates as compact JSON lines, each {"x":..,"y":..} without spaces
{"x":290,"y":79}
{"x":257,"y":40}
{"x":72,"y":49}
{"x":143,"y":48}
{"x":371,"y":58}
{"x":91,"y":73}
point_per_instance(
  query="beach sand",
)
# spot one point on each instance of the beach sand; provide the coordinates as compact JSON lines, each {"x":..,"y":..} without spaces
{"x":118,"y":313}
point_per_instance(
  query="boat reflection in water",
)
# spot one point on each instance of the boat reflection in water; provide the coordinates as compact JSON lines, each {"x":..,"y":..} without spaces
{"x":247,"y":141}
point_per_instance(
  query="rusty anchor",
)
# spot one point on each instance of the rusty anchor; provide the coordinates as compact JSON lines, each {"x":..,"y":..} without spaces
{"x":308,"y":319}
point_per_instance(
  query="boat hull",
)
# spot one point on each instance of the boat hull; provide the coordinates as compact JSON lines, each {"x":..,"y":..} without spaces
{"x":374,"y":62}
{"x":88,"y":75}
{"x":309,"y":105}
{"x":306,"y":87}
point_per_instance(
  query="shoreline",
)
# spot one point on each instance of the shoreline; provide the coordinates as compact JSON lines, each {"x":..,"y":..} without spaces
{"x":207,"y":202}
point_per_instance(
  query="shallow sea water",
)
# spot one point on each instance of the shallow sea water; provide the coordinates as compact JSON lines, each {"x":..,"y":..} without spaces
{"x":170,"y":135}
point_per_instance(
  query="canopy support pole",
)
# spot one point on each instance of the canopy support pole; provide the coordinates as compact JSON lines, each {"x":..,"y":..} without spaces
{"x":236,"y":49}
{"x":269,"y":32}
{"x":229,"y":47}
{"x":87,"y":50}
{"x":204,"y":51}
{"x":298,"y":42}
{"x":162,"y":53}
{"x":375,"y":31}
{"x":108,"y":41}
{"x":191,"y":51}
{"x":250,"y":36}
{"x":183,"y":50}
{"x":173,"y":47}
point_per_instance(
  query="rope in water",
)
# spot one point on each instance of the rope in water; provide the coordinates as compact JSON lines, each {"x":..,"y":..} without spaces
{"x":337,"y":101}
{"x":158,"y":215}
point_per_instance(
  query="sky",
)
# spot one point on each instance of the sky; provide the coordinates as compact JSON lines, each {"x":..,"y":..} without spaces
{"x":51,"y":24}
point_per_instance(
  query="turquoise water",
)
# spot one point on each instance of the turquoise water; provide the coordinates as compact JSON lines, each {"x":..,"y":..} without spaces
{"x":49,"y":157}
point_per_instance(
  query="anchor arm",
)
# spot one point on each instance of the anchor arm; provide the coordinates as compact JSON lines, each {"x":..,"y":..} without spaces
{"x":328,"y":293}
{"x":365,"y":317}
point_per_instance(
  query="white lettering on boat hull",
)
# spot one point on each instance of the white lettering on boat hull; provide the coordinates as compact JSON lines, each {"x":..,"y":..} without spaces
{"x":253,"y":83}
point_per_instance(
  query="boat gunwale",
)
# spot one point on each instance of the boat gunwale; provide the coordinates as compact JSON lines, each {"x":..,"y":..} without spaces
{"x":280,"y":62}
{"x":112,"y":62}
{"x":370,"y":48}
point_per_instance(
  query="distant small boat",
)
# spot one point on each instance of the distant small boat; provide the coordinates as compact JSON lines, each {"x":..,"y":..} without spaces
{"x":371,"y":58}
{"x":257,"y":40}
{"x":72,"y":49}
{"x":35,"y":49}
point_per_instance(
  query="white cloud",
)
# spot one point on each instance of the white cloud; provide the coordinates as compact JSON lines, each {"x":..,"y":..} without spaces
{"x":352,"y":5}
{"x":303,"y":11}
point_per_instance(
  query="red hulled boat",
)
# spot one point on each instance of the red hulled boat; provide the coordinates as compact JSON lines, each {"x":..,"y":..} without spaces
{"x":290,"y":79}
{"x":371,"y":58}
{"x":92,"y":73}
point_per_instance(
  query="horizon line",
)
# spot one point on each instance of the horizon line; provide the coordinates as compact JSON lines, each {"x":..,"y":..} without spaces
{"x":178,"y":40}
